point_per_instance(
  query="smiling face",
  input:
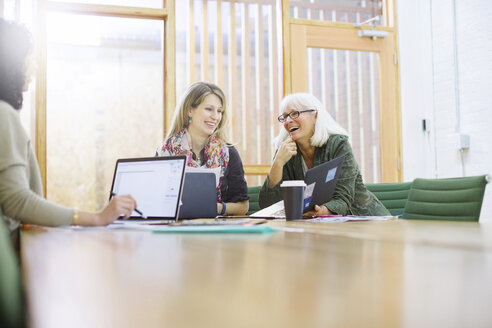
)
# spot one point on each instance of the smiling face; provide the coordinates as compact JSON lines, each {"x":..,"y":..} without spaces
{"x":301,"y":128}
{"x":206,"y":116}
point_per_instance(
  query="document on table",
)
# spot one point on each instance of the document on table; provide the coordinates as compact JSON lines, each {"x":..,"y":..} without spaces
{"x":339,"y":218}
{"x":275,"y":211}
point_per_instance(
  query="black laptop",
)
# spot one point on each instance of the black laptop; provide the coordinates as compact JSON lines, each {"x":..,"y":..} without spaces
{"x":199,"y":198}
{"x":321,"y":181}
{"x":156,"y":183}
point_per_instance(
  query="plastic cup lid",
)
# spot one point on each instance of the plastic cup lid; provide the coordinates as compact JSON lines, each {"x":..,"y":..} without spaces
{"x":293,"y":183}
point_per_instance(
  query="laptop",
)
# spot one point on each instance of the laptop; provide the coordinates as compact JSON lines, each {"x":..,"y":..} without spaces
{"x":199,"y":198}
{"x":156,"y":183}
{"x":321,"y":182}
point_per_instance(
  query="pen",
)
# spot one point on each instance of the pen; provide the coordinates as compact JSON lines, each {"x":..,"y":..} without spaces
{"x":330,"y":216}
{"x":136,"y":209}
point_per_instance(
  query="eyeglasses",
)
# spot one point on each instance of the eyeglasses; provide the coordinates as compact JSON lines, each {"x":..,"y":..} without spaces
{"x":293,"y":115}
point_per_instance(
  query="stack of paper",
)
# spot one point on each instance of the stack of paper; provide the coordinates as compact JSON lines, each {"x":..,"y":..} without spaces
{"x":338,"y":218}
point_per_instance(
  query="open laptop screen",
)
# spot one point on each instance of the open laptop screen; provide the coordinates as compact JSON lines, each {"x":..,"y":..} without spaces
{"x":155,"y":183}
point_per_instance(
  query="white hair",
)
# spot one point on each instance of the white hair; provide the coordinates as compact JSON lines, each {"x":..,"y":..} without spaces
{"x":325,"y":124}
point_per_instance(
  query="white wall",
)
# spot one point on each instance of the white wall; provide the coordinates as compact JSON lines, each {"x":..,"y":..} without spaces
{"x":429,"y":81}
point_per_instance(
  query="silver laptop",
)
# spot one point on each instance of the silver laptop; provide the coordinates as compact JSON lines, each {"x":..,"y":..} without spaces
{"x":156,"y":183}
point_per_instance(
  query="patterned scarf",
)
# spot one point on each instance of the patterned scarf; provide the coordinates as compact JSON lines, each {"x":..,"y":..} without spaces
{"x":216,"y":153}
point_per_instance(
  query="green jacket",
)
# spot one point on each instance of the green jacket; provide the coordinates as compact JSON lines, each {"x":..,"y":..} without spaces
{"x":351,"y":197}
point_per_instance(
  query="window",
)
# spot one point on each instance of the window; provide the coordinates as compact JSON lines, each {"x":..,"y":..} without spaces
{"x":347,"y":83}
{"x":236,"y":45}
{"x":104,"y":101}
{"x":349,"y":11}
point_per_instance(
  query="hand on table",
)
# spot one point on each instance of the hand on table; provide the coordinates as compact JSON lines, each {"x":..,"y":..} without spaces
{"x":317,"y":211}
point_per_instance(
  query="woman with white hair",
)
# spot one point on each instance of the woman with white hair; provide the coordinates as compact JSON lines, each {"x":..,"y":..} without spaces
{"x":311,"y":137}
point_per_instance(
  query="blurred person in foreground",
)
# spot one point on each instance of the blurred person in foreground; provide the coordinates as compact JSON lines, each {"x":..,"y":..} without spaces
{"x":21,"y":190}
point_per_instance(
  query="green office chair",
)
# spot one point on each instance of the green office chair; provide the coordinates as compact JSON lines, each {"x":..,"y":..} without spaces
{"x":11,"y":296}
{"x":393,"y":195}
{"x":253,"y":193}
{"x":456,"y":199}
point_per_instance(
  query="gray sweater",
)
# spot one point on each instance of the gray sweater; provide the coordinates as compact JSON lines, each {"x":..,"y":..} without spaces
{"x":21,"y":191}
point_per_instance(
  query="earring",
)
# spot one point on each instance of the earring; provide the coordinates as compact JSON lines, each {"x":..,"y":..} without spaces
{"x":189,"y":121}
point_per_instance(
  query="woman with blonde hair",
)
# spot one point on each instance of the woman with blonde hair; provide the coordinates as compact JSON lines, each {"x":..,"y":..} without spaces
{"x":311,"y":137}
{"x":199,"y":132}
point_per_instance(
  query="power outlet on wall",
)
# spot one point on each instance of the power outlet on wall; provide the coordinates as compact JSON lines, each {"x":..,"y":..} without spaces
{"x":459,"y":141}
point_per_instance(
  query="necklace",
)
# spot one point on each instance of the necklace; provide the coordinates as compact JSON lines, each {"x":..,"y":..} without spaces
{"x":198,"y":159}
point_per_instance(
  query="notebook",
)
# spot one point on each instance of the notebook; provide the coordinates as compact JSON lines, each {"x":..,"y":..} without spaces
{"x":156,"y":183}
{"x":199,"y":196}
{"x":321,"y":182}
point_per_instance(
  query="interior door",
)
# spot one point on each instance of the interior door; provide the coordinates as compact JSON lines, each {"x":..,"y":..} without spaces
{"x":355,"y":78}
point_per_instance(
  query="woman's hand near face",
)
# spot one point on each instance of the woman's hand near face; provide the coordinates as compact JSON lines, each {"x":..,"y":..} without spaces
{"x":286,"y":151}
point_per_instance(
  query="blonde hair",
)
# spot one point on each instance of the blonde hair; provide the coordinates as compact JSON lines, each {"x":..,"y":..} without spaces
{"x":192,"y":98}
{"x":325,"y":125}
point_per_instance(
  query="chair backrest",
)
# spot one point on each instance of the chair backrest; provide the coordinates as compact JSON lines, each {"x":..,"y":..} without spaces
{"x":456,"y":199}
{"x":393,"y":195}
{"x":253,"y":193}
{"x":11,"y":295}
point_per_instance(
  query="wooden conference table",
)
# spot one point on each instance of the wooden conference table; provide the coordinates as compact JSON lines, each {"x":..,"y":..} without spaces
{"x":355,"y":274}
